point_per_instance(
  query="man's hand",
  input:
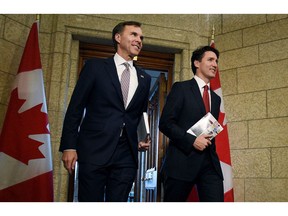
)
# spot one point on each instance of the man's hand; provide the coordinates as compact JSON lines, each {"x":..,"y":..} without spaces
{"x":69,"y":159}
{"x":144,"y":145}
{"x":202,"y":142}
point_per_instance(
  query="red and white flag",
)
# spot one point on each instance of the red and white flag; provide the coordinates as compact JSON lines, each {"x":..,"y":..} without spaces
{"x":25,"y":148}
{"x":222,"y":140}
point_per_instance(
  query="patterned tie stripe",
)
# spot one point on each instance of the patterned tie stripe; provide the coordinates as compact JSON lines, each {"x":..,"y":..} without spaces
{"x":125,"y":81}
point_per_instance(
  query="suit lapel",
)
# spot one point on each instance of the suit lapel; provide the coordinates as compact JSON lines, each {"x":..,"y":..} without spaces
{"x":213,"y":104}
{"x":140,"y":87}
{"x":198,"y":96}
{"x":112,"y":71}
{"x":199,"y":99}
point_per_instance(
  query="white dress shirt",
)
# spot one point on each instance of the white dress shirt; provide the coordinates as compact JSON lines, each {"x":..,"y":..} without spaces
{"x":133,"y":75}
{"x":201,"y":85}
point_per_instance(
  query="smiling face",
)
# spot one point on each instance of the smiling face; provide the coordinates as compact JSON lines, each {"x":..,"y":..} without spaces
{"x":207,"y":66}
{"x":129,"y":42}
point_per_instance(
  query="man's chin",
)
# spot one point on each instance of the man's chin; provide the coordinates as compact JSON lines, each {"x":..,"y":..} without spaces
{"x":132,"y":56}
{"x":212,"y":77}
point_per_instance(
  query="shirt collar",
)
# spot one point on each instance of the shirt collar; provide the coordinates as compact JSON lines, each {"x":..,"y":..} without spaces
{"x":200,"y":82}
{"x":119,"y":60}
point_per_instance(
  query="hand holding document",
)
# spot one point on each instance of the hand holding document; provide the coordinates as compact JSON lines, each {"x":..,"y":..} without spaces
{"x":206,"y":125}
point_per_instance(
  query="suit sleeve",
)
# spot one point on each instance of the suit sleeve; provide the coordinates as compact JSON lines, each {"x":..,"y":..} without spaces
{"x":169,"y":121}
{"x":77,"y":105}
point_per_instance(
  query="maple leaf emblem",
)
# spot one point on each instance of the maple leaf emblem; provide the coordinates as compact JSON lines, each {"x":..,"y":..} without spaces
{"x":14,"y":139}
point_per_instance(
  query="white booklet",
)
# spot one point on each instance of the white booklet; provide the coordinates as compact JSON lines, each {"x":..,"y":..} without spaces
{"x":206,"y":125}
{"x":143,"y":129}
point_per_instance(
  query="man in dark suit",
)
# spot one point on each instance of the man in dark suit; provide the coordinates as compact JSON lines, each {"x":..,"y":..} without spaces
{"x":192,"y":160}
{"x":105,"y":141}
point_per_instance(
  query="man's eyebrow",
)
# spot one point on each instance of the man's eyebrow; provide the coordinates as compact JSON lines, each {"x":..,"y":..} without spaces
{"x":135,"y":34}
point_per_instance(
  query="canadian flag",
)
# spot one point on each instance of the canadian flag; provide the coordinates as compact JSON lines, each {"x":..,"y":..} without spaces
{"x":25,"y":148}
{"x":222,"y":140}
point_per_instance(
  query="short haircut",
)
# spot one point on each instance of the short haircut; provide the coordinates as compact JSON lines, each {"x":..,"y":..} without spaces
{"x":198,"y":54}
{"x":120,"y":27}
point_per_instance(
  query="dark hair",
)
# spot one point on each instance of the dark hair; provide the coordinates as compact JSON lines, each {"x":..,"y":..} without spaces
{"x":198,"y":54}
{"x":120,"y":27}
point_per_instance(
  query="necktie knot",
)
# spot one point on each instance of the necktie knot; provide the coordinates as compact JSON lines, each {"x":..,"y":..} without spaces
{"x":126,"y":64}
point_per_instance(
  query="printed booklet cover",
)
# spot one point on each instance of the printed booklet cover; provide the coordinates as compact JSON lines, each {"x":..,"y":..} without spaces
{"x":206,"y":125}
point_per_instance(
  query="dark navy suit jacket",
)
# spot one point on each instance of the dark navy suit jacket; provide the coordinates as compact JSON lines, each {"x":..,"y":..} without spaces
{"x":98,"y":92}
{"x":184,"y":107}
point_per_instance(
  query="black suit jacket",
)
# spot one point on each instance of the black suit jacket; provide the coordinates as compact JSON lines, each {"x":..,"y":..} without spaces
{"x":184,"y":107}
{"x":98,"y":92}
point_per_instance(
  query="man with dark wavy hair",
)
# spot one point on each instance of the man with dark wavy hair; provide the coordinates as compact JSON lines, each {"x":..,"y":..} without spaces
{"x":192,"y":160}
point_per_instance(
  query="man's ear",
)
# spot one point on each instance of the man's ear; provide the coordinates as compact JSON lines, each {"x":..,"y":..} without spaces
{"x":196,"y":63}
{"x":118,"y":37}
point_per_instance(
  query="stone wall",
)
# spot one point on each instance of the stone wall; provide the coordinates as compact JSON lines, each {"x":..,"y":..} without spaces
{"x":254,"y":79}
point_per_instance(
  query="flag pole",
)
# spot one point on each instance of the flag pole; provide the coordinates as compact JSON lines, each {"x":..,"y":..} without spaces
{"x":213,"y":33}
{"x":38,"y":22}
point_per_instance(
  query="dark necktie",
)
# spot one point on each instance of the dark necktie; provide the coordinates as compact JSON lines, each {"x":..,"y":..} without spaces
{"x":125,"y":81}
{"x":206,"y":99}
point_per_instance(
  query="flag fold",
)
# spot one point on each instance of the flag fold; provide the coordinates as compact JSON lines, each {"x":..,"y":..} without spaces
{"x":222,"y":141}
